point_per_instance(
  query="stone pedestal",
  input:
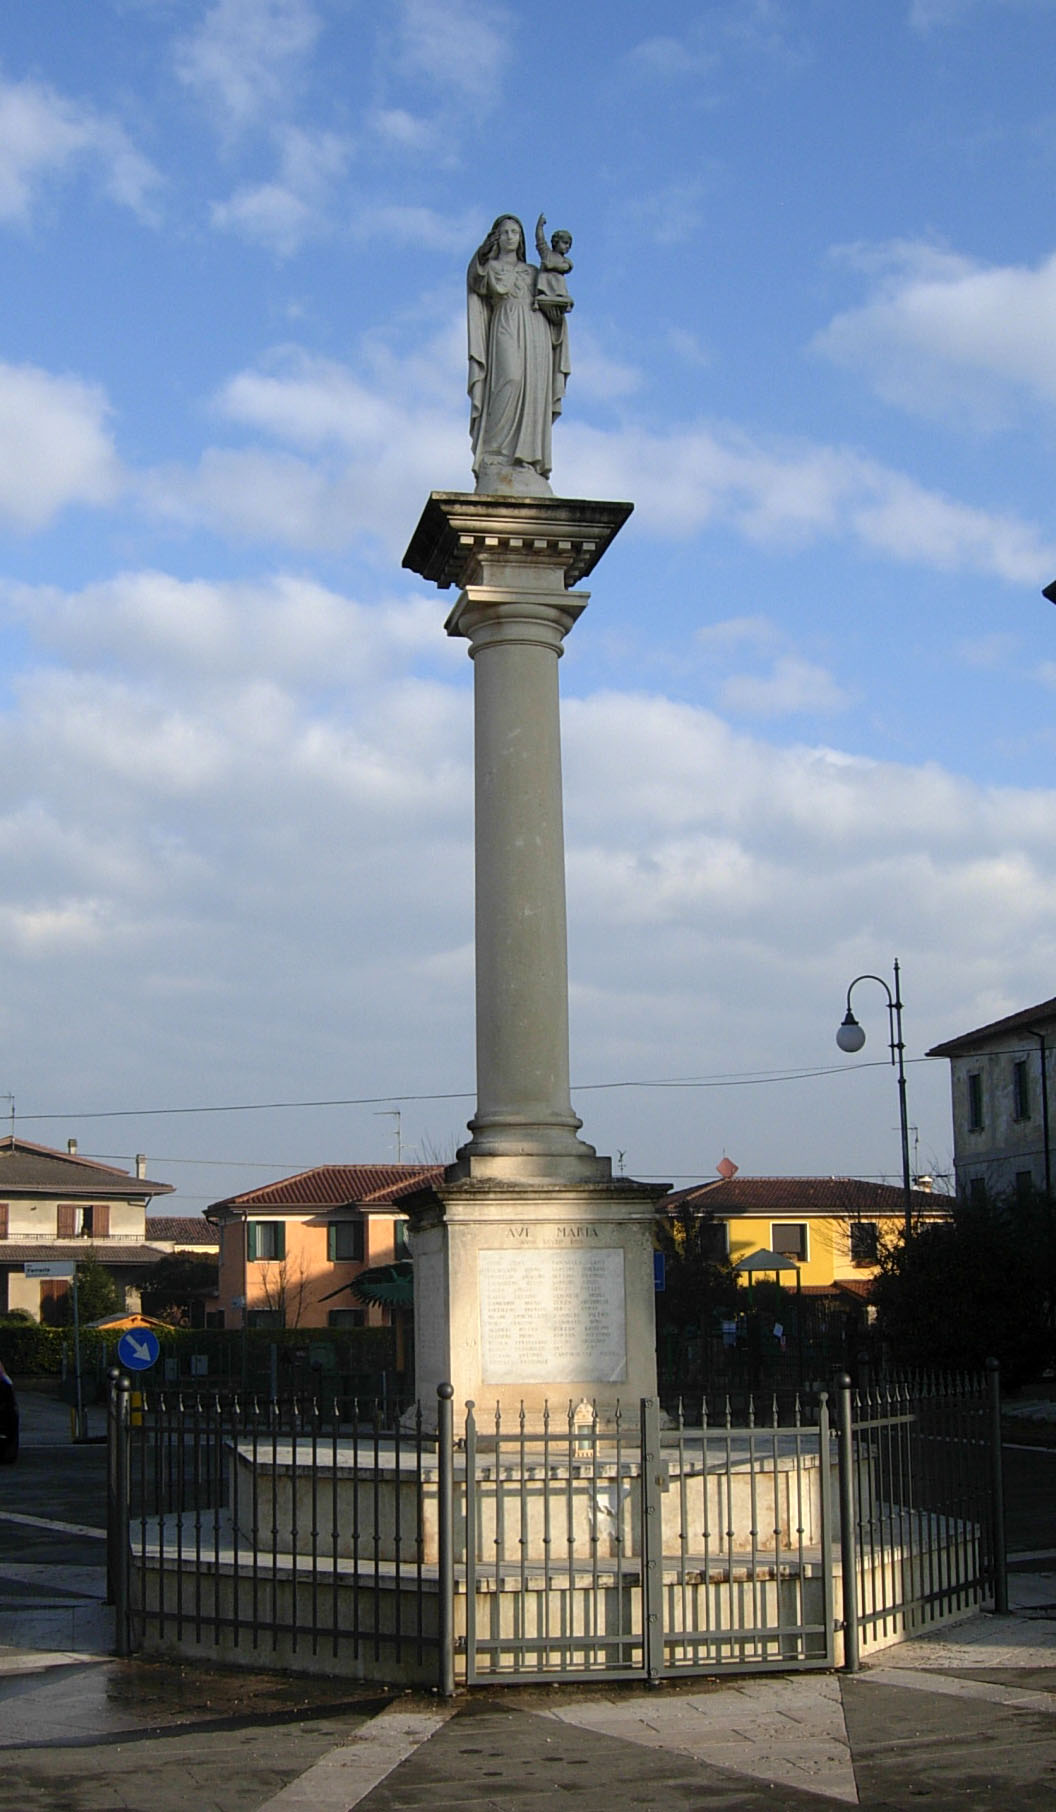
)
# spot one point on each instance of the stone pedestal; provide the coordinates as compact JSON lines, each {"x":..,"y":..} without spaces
{"x":533,"y":1265}
{"x":528,"y":1294}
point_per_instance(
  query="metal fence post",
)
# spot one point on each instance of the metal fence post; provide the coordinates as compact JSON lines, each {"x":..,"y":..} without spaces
{"x":112,"y":1377}
{"x":445,"y":1510}
{"x":828,"y":1610}
{"x":118,"y":1540}
{"x":652,"y":1542}
{"x":848,"y":1546}
{"x":997,"y":1489}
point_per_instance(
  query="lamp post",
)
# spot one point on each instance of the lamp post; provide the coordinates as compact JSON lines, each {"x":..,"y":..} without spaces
{"x":851,"y":1038}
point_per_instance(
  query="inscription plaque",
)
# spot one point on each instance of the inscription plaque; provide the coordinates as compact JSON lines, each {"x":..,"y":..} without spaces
{"x":552,"y":1317}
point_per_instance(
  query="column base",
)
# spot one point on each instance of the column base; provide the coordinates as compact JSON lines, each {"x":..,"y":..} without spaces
{"x":532,"y":1294}
{"x":516,"y":1148}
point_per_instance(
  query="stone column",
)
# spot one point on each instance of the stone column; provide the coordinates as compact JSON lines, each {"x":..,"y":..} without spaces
{"x":514,"y":559}
{"x":532,"y":1263}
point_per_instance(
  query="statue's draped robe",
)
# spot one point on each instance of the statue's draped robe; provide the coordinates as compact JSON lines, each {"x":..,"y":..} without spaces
{"x":518,"y":366}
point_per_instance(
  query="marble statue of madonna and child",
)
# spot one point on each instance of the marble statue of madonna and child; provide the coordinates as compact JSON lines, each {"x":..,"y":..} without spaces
{"x":518,"y":356}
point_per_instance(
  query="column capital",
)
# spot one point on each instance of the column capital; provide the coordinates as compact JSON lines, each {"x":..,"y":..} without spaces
{"x":466,"y":540}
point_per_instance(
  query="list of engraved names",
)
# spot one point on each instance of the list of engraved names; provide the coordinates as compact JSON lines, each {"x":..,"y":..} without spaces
{"x":552,"y":1317}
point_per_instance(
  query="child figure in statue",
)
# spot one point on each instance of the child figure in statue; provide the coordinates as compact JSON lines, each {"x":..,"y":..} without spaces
{"x":551,"y":291}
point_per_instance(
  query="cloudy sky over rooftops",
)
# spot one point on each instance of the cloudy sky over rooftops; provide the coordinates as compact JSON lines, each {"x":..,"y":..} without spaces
{"x":808,"y":714}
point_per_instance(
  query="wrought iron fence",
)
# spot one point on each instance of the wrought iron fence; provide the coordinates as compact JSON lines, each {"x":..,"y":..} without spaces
{"x":290,"y":1527}
{"x":343,"y":1537}
{"x":922,"y":1506}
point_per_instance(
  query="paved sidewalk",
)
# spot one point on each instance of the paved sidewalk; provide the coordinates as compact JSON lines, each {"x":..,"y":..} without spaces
{"x":959,"y":1720}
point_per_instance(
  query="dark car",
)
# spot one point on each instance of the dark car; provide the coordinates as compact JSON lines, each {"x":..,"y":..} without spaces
{"x":8,"y":1421}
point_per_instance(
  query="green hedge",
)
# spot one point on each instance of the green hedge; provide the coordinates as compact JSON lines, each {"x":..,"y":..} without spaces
{"x":29,"y":1350}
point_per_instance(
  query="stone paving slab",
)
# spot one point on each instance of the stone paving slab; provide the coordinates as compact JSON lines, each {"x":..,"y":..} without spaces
{"x":961,"y":1718}
{"x":510,"y":1760}
{"x":783,"y":1730}
{"x":949,"y":1754}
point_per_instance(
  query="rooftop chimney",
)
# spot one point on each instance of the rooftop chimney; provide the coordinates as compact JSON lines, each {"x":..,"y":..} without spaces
{"x":141,"y":1163}
{"x":71,"y":1147}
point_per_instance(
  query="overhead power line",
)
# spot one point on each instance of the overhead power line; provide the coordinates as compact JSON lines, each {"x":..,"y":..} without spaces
{"x":735,"y":1079}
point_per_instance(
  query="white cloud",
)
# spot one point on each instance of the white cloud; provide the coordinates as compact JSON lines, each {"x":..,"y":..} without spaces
{"x":44,"y":134}
{"x":688,"y":346}
{"x":404,"y":224}
{"x":458,"y":47}
{"x":935,"y":15}
{"x":282,"y":214}
{"x":796,"y":494}
{"x":212,"y":632}
{"x":366,"y":447}
{"x":737,"y":632}
{"x":399,"y":130}
{"x":246,"y":54}
{"x":252,"y":808}
{"x":55,"y":449}
{"x":788,"y":685}
{"x":599,"y":377}
{"x":365,"y":456}
{"x":943,"y":333}
{"x":665,"y":57}
{"x":670,"y":215}
{"x":792,"y":685}
{"x":988,"y":651}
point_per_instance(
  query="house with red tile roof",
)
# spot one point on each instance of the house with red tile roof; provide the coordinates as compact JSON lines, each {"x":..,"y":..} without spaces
{"x":54,"y":1205}
{"x":831,"y":1228}
{"x":291,"y":1250}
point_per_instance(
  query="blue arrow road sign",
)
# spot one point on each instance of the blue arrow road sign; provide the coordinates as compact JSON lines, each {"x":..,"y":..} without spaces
{"x":138,"y":1348}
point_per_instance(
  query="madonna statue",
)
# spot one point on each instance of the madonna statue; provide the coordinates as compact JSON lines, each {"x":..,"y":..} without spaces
{"x":518,"y":365}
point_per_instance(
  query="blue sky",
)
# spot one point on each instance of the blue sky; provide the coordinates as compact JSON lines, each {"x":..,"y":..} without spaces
{"x":808,"y":715}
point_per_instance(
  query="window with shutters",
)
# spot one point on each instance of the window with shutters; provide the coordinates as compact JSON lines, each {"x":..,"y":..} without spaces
{"x":4,"y":1219}
{"x":67,"y":1220}
{"x":344,"y":1242}
{"x":266,"y":1240}
{"x":1020,"y":1092}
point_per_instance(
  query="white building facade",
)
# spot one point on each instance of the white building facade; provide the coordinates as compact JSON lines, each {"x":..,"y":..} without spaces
{"x":1003,"y":1083}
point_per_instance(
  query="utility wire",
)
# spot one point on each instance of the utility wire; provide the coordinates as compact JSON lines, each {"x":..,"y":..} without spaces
{"x":737,"y":1079}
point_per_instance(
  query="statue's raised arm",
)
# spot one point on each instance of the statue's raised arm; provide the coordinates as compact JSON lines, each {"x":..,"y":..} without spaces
{"x":518,"y":360}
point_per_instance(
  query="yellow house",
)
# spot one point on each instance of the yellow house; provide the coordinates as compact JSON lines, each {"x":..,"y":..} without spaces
{"x":290,"y":1250}
{"x":832,"y":1228}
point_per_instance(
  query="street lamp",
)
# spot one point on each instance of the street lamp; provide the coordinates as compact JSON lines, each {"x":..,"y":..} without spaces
{"x":851,"y":1038}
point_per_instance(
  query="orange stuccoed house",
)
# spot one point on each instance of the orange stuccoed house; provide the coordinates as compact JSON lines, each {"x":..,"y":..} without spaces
{"x":289,"y":1252}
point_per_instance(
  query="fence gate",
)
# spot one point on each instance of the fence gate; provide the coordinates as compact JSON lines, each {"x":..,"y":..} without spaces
{"x":633,"y":1551}
{"x":921,"y":1505}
